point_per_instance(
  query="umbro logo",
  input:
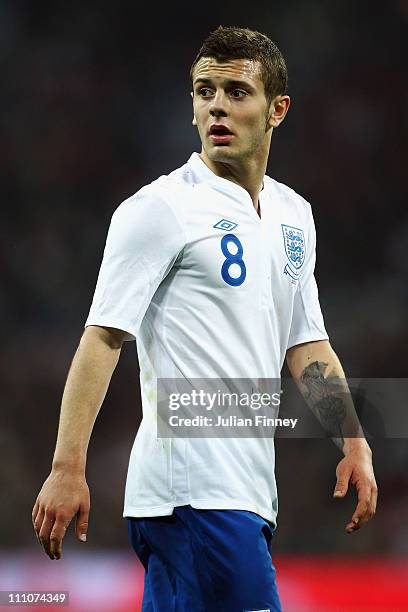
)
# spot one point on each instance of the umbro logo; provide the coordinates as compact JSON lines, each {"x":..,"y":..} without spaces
{"x":225,"y":225}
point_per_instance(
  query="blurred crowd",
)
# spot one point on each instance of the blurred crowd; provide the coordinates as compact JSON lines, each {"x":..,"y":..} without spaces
{"x":95,"y":103}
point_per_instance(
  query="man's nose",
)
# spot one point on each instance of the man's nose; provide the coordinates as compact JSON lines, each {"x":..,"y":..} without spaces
{"x":218,"y":106}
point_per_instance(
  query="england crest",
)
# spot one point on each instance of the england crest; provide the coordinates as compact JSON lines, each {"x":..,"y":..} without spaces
{"x":294,"y":243}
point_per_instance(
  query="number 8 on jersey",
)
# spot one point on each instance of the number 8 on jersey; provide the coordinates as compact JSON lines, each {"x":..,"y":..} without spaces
{"x":232,"y":258}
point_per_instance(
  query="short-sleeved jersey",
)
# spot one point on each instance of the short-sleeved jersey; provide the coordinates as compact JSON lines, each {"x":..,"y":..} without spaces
{"x":209,"y":289}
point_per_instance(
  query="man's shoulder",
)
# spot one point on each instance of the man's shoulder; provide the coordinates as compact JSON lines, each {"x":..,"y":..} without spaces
{"x":288,"y":195}
{"x":159,"y":202}
{"x":166,"y":188}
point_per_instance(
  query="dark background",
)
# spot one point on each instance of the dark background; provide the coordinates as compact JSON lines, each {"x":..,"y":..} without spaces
{"x":95,"y":103}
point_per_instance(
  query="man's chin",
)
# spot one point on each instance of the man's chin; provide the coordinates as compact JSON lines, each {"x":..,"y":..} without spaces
{"x":220,"y":153}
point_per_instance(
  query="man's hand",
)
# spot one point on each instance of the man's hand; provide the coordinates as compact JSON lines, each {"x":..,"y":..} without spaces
{"x":65,"y":493}
{"x":356,"y":467}
{"x":318,"y":373}
{"x":63,"y":496}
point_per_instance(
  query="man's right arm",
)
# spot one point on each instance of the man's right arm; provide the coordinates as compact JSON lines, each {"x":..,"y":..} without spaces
{"x":65,"y":493}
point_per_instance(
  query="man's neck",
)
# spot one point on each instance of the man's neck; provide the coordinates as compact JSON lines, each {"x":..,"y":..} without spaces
{"x":249,"y":174}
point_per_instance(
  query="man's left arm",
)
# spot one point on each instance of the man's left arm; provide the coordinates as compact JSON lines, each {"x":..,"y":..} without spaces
{"x":319,"y":375}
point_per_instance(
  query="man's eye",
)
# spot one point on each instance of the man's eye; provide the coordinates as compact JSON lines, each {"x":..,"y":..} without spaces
{"x":238,"y":93}
{"x":204,"y":91}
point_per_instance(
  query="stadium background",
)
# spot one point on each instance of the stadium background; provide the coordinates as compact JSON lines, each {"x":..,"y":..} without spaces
{"x":95,"y":103}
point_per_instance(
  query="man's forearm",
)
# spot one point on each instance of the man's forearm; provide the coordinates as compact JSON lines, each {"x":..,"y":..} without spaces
{"x":321,"y":380}
{"x":85,"y":389}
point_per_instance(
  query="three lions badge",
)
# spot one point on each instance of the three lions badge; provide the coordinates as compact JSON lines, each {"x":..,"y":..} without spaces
{"x":294,"y":243}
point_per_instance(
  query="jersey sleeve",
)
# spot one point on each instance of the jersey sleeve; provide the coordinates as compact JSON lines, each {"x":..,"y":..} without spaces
{"x":144,"y":240}
{"x":307,"y":323}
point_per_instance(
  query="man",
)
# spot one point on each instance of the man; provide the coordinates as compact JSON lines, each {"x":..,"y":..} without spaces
{"x":211,"y":269}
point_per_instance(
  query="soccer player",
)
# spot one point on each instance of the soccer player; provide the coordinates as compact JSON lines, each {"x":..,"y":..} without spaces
{"x":211,"y":270}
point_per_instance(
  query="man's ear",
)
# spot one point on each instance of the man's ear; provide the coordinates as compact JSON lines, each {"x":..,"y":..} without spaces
{"x":277,"y":110}
{"x":194,"y":122}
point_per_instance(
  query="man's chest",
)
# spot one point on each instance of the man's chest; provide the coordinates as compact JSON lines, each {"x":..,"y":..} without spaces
{"x":232,"y":251}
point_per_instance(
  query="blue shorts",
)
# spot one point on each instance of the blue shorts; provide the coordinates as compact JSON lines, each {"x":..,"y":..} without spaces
{"x":206,"y":561}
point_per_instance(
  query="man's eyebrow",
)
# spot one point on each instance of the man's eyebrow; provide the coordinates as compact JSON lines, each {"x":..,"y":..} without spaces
{"x":229,"y":83}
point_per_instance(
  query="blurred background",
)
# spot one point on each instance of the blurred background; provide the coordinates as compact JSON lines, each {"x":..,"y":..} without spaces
{"x":95,"y":103}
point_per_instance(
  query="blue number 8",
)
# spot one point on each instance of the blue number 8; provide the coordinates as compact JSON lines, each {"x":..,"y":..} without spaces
{"x":231,"y":258}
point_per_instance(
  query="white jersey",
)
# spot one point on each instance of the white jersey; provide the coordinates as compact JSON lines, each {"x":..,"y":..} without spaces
{"x":201,"y":305}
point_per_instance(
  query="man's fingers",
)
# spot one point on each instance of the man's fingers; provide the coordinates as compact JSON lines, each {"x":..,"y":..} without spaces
{"x":35,"y":512}
{"x":362,"y":512}
{"x":55,"y":546}
{"x":373,"y":505}
{"x":45,"y":531}
{"x":356,"y":467}
{"x":364,"y":499}
{"x":38,"y":521}
{"x":352,"y":527}
{"x":58,"y":501}
{"x":343,"y":477}
{"x":57,"y":535}
{"x":365,"y":509}
{"x":360,"y":515}
{"x":82,"y":522}
{"x":50,"y":529}
{"x":340,"y":489}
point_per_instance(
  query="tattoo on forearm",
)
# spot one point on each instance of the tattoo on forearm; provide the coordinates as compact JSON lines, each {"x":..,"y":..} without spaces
{"x":325,"y":396}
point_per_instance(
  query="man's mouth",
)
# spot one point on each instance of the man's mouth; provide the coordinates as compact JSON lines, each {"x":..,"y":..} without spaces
{"x":220,"y":133}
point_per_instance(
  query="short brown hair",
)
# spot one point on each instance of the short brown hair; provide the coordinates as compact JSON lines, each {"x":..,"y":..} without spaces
{"x":227,"y":43}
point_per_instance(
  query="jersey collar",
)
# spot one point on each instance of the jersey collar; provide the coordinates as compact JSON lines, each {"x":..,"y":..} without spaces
{"x":203,"y":173}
